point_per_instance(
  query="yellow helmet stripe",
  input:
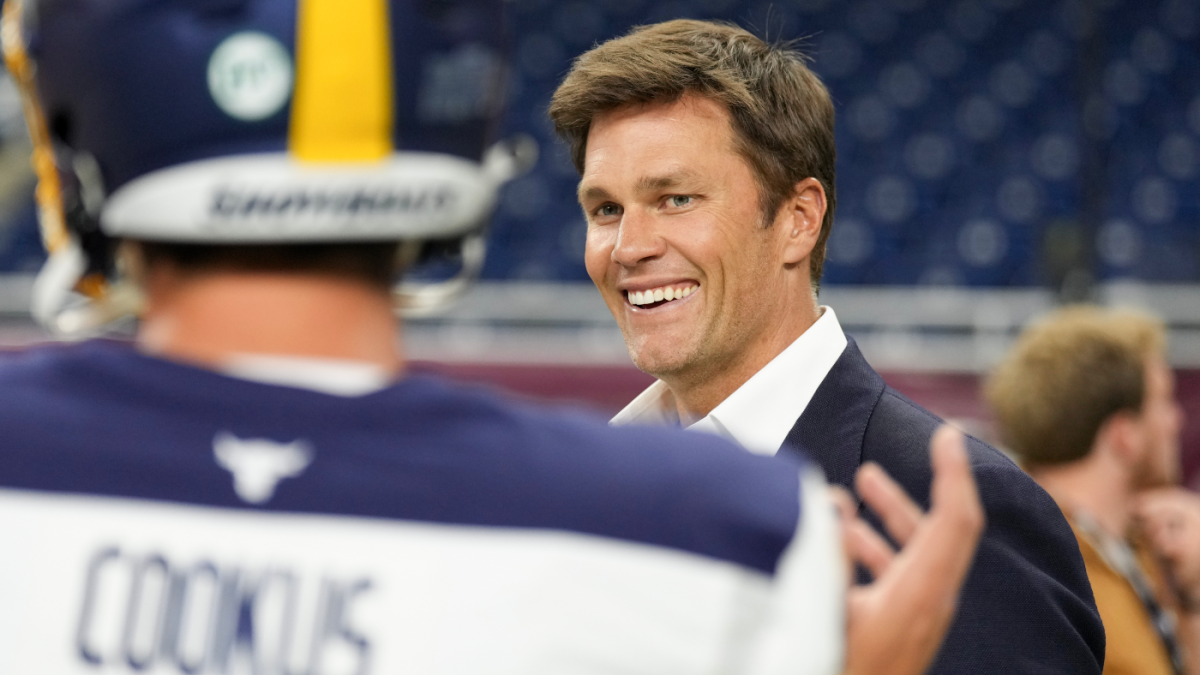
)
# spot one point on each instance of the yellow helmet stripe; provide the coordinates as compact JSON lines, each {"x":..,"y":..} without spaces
{"x":342,"y":106}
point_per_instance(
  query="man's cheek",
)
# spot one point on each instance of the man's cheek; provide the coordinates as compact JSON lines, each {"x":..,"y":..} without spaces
{"x":596,"y":269}
{"x":597,"y":255}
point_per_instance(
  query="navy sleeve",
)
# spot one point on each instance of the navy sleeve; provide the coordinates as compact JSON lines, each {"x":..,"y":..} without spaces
{"x":1026,"y":606}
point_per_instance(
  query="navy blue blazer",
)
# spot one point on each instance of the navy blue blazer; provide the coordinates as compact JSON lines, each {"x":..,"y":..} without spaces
{"x":1026,"y":606}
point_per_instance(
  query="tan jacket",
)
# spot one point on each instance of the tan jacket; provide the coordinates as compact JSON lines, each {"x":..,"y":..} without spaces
{"x":1133,"y":646}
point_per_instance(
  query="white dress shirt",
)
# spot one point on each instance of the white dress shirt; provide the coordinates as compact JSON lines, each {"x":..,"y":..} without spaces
{"x":759,"y":415}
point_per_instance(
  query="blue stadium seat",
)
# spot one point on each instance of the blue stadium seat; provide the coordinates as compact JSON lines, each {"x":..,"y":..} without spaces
{"x":961,"y":134}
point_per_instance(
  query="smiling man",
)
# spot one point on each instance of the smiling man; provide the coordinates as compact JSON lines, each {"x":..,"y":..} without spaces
{"x":707,"y":161}
{"x":704,"y":302}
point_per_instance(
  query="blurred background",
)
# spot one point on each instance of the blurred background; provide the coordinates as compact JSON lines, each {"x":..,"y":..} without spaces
{"x":995,"y":158}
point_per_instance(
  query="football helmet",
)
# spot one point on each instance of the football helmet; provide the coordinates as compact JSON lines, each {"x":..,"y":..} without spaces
{"x":256,"y":121}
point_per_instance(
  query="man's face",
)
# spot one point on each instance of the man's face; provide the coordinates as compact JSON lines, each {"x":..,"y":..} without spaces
{"x":1160,"y":420}
{"x":673,"y":212}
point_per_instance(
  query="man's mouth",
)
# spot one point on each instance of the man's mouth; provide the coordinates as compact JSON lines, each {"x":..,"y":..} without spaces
{"x":655,"y":297}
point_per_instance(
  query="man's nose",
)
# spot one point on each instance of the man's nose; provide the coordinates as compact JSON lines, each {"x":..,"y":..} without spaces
{"x":638,"y":240}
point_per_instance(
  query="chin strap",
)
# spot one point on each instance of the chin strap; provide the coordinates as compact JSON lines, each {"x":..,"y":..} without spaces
{"x":417,"y":300}
{"x":502,"y":162}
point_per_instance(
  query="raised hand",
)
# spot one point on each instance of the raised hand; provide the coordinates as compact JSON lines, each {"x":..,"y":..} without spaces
{"x":896,"y":624}
{"x":1170,"y":520}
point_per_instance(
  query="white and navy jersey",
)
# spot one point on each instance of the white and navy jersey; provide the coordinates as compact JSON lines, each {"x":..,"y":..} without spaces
{"x":159,"y":518}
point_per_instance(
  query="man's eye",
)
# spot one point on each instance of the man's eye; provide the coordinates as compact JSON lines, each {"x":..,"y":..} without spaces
{"x":608,"y":210}
{"x":679,"y":201}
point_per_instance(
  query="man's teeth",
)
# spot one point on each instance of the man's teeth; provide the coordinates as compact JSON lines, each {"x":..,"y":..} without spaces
{"x":659,"y":294}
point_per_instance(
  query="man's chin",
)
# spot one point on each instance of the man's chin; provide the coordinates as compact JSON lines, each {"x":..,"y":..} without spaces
{"x":660,"y":362}
{"x":658,"y":367}
{"x":1152,"y":478}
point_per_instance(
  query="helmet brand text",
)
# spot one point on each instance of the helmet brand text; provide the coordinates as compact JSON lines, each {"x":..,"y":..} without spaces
{"x":232,"y":203}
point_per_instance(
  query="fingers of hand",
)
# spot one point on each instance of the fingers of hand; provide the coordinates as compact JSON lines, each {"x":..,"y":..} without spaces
{"x":1170,"y":519}
{"x":954,"y":496}
{"x":846,"y":511}
{"x":920,"y":587}
{"x":944,"y":547}
{"x":866,"y":547}
{"x":1157,"y":510}
{"x":900,"y":514}
{"x":1173,"y":511}
{"x":843,"y":501}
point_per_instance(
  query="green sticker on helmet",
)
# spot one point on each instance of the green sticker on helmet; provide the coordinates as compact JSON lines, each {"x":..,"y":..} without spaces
{"x":250,"y":76}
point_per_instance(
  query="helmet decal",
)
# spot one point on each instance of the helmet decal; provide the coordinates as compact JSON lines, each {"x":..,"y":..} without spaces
{"x":250,"y":76}
{"x":344,"y":100}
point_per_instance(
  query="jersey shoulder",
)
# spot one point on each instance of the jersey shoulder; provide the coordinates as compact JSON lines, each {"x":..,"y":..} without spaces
{"x":101,"y":418}
{"x":686,"y":490}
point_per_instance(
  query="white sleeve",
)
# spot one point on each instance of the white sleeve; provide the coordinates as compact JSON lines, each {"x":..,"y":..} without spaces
{"x":803,"y":628}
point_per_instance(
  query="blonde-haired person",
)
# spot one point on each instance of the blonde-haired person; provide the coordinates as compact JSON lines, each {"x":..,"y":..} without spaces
{"x":1086,"y":400}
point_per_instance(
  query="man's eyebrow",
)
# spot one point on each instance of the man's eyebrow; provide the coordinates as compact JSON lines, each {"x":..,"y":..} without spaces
{"x":644,"y":184}
{"x":592,"y":192}
{"x":669,"y":180}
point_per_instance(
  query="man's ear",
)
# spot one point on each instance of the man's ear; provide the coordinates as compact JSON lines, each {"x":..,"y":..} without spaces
{"x":1123,"y":433}
{"x":801,"y":217}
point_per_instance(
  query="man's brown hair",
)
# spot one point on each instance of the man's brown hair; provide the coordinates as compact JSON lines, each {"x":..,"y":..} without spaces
{"x":781,"y":113}
{"x":1067,"y":376}
{"x":375,"y":264}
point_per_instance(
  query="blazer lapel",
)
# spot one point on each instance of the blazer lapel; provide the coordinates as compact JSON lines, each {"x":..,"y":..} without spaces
{"x":831,"y":429}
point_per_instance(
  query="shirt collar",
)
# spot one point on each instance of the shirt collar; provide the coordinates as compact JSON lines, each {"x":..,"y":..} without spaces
{"x":761,"y":412}
{"x":653,"y":407}
{"x":338,"y":377}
